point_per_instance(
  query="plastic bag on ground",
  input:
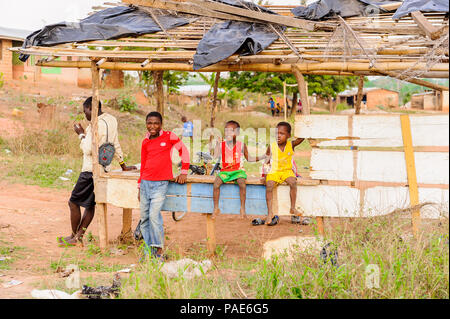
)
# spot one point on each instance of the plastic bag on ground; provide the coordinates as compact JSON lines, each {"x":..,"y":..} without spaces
{"x":186,"y":267}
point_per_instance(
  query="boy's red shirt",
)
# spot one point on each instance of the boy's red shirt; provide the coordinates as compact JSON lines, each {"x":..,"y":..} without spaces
{"x":156,"y":161}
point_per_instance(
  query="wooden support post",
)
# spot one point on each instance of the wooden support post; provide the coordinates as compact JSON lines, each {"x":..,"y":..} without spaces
{"x":320,"y":225}
{"x":359,"y":96}
{"x":126,"y":233}
{"x":302,"y":89}
{"x":411,"y":172}
{"x":100,"y":208}
{"x":158,"y":78}
{"x":214,"y":99}
{"x":284,"y":101}
{"x":430,"y":30}
{"x":210,"y":234}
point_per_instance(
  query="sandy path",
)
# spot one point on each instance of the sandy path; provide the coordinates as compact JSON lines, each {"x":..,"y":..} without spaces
{"x":32,"y":217}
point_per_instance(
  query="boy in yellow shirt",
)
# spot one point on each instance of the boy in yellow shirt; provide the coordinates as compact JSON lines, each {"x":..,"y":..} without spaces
{"x":283,"y":169}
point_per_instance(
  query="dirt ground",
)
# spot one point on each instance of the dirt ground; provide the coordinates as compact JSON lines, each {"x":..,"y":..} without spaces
{"x":32,"y":217}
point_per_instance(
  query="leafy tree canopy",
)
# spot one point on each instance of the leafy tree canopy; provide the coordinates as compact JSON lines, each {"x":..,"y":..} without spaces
{"x":322,"y":85}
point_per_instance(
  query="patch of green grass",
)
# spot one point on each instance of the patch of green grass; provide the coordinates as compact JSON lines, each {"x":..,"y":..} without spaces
{"x":407,"y":267}
{"x":11,"y":253}
{"x":44,"y":171}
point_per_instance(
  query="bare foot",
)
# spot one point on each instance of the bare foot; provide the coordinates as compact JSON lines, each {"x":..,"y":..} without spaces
{"x":215,"y":213}
{"x":242,"y":214}
{"x":295,"y":212}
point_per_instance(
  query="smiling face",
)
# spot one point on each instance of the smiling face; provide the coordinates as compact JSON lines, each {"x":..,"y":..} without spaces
{"x":282,"y":134}
{"x":154,"y":126}
{"x":231,"y":132}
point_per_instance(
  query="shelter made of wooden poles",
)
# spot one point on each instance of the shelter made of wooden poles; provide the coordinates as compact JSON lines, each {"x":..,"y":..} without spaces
{"x":410,"y":49}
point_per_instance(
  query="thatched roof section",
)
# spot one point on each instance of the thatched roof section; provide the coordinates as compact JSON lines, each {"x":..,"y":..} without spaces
{"x":375,"y":45}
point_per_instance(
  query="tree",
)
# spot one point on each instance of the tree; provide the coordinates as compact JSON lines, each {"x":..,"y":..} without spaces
{"x":324,"y":86}
{"x":172,"y":81}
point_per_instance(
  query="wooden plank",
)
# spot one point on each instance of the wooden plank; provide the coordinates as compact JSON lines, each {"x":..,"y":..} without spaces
{"x":374,"y":130}
{"x":263,"y":17}
{"x":200,"y":179}
{"x":94,"y":119}
{"x":411,"y":171}
{"x":378,"y":166}
{"x":332,"y":165}
{"x":186,"y":8}
{"x":101,"y":212}
{"x":320,"y":225}
{"x":319,"y":126}
{"x":126,"y":233}
{"x":359,"y":95}
{"x":303,"y":90}
{"x":210,"y":234}
{"x":430,"y":30}
{"x":158,"y":78}
{"x":344,"y":201}
{"x":322,"y":200}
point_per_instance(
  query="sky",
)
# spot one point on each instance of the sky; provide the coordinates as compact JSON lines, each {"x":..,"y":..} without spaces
{"x":34,"y":14}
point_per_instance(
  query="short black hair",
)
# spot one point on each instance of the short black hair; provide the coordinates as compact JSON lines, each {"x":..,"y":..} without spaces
{"x":154,"y":114}
{"x":286,"y":125}
{"x":88,"y":103}
{"x":235,"y":123}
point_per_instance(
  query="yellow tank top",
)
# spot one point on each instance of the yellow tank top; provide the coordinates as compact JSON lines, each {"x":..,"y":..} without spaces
{"x":281,"y":161}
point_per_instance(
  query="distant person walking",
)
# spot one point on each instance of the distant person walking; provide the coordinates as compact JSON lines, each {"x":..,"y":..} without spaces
{"x":300,"y":106}
{"x":188,"y":127}
{"x":272,"y":106}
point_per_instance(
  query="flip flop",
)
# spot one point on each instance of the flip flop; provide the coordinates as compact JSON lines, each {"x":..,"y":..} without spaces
{"x":295,"y":220}
{"x":258,"y":221}
{"x":160,"y":257}
{"x":274,"y":221}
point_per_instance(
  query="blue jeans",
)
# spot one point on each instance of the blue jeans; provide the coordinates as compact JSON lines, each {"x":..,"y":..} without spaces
{"x":153,"y":194}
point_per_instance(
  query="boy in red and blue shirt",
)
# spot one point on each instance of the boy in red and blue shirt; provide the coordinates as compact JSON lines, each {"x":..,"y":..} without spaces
{"x":231,"y":153}
{"x":156,"y":172}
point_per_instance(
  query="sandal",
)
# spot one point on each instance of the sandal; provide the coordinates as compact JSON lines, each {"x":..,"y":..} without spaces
{"x":274,"y":221}
{"x":258,"y":221}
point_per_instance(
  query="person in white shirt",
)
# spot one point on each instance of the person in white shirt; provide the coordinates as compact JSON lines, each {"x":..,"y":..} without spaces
{"x":83,"y":192}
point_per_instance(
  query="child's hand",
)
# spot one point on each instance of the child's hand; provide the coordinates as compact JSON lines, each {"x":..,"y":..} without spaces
{"x":181,"y":179}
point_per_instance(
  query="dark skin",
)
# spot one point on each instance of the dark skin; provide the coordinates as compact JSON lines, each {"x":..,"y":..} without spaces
{"x":231,"y":133}
{"x":154,"y":126}
{"x":282,"y":139}
{"x":80,"y":224}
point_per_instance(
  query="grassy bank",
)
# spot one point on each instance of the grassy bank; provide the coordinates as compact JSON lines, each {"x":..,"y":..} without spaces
{"x":408,"y":268}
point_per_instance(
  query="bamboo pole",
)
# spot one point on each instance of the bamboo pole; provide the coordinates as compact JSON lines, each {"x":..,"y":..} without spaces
{"x":284,"y":101}
{"x":158,"y":78}
{"x":303,"y":90}
{"x":214,"y":99}
{"x":100,"y":208}
{"x":359,"y":96}
{"x":333,"y":68}
{"x":420,"y":82}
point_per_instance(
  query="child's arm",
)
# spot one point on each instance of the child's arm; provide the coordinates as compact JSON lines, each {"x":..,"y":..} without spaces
{"x":143,"y":160}
{"x":267,"y":155}
{"x":184,"y":154}
{"x":251,"y":158}
{"x":297,"y":142}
